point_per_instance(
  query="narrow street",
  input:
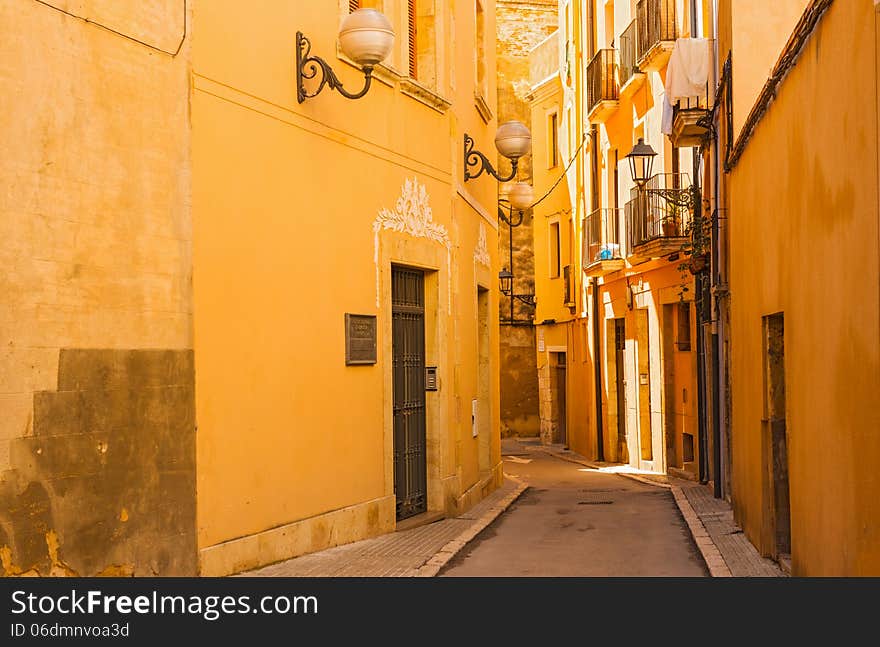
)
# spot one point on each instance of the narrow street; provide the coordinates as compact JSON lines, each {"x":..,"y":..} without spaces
{"x":575,"y":521}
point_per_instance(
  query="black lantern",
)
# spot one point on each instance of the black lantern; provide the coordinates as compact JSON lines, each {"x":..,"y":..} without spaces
{"x":641,"y":160}
{"x":505,"y":276}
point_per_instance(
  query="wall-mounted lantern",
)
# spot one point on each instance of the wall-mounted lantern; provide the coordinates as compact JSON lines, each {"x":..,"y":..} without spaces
{"x":505,"y":277}
{"x":365,"y":36}
{"x":641,"y":161}
{"x":513,"y":140}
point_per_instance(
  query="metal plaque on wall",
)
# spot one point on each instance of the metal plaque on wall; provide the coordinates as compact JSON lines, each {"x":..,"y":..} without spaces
{"x":360,"y":339}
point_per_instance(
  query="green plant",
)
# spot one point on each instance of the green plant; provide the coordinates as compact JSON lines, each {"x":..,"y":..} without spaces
{"x":696,"y":248}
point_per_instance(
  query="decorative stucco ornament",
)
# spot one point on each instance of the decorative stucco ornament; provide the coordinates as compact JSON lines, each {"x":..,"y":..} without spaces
{"x":412,"y":215}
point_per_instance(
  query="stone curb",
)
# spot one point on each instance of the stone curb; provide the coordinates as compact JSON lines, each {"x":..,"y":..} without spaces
{"x":708,"y":550}
{"x":452,"y":547}
{"x":711,"y":555}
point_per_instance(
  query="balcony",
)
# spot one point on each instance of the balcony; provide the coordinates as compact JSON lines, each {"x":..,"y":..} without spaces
{"x":602,"y":89}
{"x":631,"y":77}
{"x":658,"y":29}
{"x":689,"y":122}
{"x":602,"y":250}
{"x":656,"y":226}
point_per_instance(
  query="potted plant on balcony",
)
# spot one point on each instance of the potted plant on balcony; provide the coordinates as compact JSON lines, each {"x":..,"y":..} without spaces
{"x":696,"y":248}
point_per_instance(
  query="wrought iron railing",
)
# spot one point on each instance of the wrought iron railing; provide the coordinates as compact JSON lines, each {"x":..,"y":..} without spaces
{"x":663,"y":209}
{"x":602,"y":236}
{"x":657,"y":23}
{"x":700,"y":104}
{"x":629,"y":48}
{"x":602,"y":78}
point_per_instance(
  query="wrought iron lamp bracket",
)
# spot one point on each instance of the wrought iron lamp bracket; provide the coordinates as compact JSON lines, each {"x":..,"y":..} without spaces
{"x":309,"y":67}
{"x":528,"y":299}
{"x":474,"y":158}
{"x":509,"y":220}
{"x":684,"y":198}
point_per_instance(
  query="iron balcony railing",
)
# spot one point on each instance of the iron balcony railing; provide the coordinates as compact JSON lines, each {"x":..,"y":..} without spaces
{"x":602,"y":236}
{"x":660,"y":210}
{"x":602,"y":78}
{"x":695,"y":104}
{"x":629,"y":48}
{"x":657,"y":23}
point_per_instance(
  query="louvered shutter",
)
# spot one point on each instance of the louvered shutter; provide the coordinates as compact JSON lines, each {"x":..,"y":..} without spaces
{"x":413,"y":45}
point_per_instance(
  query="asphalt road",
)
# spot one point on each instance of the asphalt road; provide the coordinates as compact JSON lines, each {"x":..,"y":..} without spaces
{"x":575,"y":521}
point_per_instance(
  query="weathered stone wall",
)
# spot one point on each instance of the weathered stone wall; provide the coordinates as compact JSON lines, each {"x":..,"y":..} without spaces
{"x":106,"y":482}
{"x":519,"y":382}
{"x":96,"y":446}
{"x":521,"y":25}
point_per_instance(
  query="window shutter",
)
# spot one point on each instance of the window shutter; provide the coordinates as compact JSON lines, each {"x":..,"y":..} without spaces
{"x":413,"y":45}
{"x":353,"y":5}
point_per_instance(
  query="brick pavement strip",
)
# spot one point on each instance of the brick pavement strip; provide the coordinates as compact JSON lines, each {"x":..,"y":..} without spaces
{"x":419,"y":552}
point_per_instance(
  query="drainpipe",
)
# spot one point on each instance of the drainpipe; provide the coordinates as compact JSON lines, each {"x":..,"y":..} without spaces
{"x":719,"y":260}
{"x":597,"y":364}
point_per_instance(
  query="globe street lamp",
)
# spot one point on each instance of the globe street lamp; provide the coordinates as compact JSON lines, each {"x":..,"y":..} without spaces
{"x":512,"y":139}
{"x":365,"y":36}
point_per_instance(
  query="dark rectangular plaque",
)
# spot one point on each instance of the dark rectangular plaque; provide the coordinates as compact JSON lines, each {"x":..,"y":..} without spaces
{"x":360,"y":339}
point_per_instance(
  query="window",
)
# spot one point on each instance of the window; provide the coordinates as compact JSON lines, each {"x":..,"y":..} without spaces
{"x":422,"y":31}
{"x":555,"y":249}
{"x":354,"y":5}
{"x":553,"y":139}
{"x":683,"y":341}
{"x":482,"y":78}
{"x":415,"y":23}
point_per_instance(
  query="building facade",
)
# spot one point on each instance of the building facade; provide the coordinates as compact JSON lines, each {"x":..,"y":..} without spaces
{"x":520,"y":26}
{"x":702,"y":302}
{"x":243,"y":327}
{"x":616,"y":295}
{"x":805,"y":364}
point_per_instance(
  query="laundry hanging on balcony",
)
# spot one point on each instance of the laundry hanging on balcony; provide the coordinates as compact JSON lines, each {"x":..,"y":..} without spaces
{"x":687,"y":75}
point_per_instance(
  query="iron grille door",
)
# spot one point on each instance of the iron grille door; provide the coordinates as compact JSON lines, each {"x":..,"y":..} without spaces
{"x":408,"y":354}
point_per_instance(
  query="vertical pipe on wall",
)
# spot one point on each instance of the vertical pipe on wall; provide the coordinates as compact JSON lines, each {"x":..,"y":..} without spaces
{"x":720,"y":409}
{"x":702,"y":418}
{"x":597,"y":367}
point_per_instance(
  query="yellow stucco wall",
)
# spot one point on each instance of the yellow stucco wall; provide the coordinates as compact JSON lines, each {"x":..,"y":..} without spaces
{"x":806,"y":244}
{"x":95,"y":238}
{"x":757,"y":31}
{"x":287,"y":202}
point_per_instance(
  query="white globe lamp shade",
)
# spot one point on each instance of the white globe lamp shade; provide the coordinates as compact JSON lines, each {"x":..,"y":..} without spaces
{"x":513,"y":139}
{"x":521,"y":196}
{"x":366,"y":37}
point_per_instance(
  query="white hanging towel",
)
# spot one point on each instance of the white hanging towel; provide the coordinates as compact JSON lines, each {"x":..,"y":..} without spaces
{"x":686,"y":75}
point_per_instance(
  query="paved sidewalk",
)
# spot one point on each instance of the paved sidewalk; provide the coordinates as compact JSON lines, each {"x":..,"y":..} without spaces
{"x":420,"y":552}
{"x":725,"y":548}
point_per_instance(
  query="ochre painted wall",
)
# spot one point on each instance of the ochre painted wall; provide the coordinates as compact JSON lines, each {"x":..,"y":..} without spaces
{"x":97,"y":447}
{"x":806,"y":244}
{"x":299,"y":212}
